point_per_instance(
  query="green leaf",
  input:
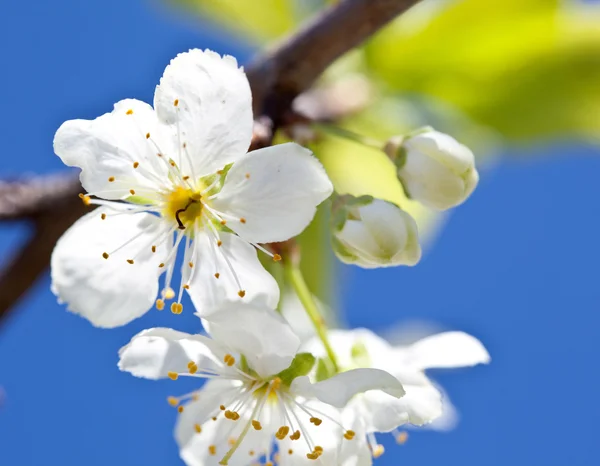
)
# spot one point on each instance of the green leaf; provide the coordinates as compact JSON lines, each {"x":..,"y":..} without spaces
{"x":528,"y":68}
{"x":301,"y":365}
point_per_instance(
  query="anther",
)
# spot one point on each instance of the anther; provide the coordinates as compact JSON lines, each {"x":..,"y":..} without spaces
{"x":130,"y":261}
{"x":231,"y":441}
{"x":103,"y":216}
{"x":180,"y":409}
{"x":229,"y":360}
{"x":172,"y":163}
{"x":219,"y":172}
{"x":256,"y":425}
{"x":349,"y":434}
{"x":241,"y":293}
{"x":217,"y":275}
{"x":186,"y":287}
{"x":290,"y":451}
{"x":193,"y":369}
{"x":247,"y":176}
{"x":401,"y":438}
{"x":136,"y":164}
{"x":251,"y":452}
{"x":147,"y":135}
{"x":153,"y":248}
{"x":212,"y":450}
{"x":132,"y":191}
{"x":318,"y":449}
{"x":176,"y":102}
{"x":282,"y":432}
{"x":223,"y":222}
{"x":186,"y":177}
{"x":191,"y":264}
{"x":295,"y":435}
{"x":168,"y":293}
{"x":197,"y":428}
{"x":105,"y":255}
{"x":160,"y":304}
{"x":243,"y":220}
{"x":219,"y":243}
{"x":129,"y":112}
{"x":86,"y":199}
{"x":173,"y":375}
{"x":222,"y":407}
{"x":161,"y":265}
{"x":276,"y":257}
{"x":378,"y":450}
{"x":176,"y":308}
{"x":172,"y":401}
{"x":111,"y":179}
{"x":316,"y":421}
{"x":276,"y":383}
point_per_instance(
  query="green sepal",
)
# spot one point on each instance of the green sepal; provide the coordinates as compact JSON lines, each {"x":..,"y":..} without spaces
{"x":301,"y":365}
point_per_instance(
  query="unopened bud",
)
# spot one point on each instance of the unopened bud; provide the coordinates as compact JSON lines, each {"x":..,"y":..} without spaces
{"x":434,"y":168}
{"x":373,"y":233}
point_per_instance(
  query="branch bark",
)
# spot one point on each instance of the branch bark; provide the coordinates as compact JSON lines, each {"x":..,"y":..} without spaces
{"x":276,"y":79}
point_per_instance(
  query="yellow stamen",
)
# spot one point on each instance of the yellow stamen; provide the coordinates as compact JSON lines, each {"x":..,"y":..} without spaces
{"x":242,"y":293}
{"x":130,"y":261}
{"x":147,"y":135}
{"x":276,"y":257}
{"x":132,"y":191}
{"x":176,"y":308}
{"x":160,"y":304}
{"x":256,"y":425}
{"x":105,"y":255}
{"x":136,"y":164}
{"x":103,"y":216}
{"x":378,"y":450}
{"x":180,"y":409}
{"x":129,"y":112}
{"x":316,"y":421}
{"x":176,"y":102}
{"x":173,"y":375}
{"x":111,"y":179}
{"x":295,"y":435}
{"x":401,"y":438}
{"x":172,"y":401}
{"x":212,"y":450}
{"x":197,"y":428}
{"x":243,"y":220}
{"x":217,"y":275}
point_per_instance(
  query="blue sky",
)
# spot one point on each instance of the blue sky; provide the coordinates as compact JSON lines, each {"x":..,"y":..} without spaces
{"x":515,"y":266}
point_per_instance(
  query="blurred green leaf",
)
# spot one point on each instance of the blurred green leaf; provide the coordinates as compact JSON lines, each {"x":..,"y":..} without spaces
{"x":528,"y":68}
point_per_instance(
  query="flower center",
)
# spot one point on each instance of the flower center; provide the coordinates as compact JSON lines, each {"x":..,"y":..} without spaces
{"x":184,"y":206}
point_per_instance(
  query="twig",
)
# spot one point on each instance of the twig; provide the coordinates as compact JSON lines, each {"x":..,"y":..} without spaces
{"x":276,"y":79}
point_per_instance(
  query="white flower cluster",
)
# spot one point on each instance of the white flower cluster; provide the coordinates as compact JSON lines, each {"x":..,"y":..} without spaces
{"x":174,"y":184}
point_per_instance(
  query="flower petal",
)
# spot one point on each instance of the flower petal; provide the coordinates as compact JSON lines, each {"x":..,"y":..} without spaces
{"x":340,"y":388}
{"x":207,"y":99}
{"x":275,"y":191}
{"x":445,"y":350}
{"x":210,"y":294}
{"x":155,"y":352}
{"x":261,"y":335}
{"x":107,"y":148}
{"x":108,"y":292}
{"x":195,"y":447}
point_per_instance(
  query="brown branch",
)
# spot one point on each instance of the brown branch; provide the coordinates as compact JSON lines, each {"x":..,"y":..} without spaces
{"x":276,"y":79}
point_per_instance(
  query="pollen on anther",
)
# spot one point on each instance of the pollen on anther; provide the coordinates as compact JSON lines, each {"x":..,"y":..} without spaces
{"x":349,"y":434}
{"x":176,"y":102}
{"x":191,"y":264}
{"x":172,"y":163}
{"x":232,"y":441}
{"x":256,"y":425}
{"x":229,"y":360}
{"x":180,"y":409}
{"x":212,"y":449}
{"x":223,"y":222}
{"x":173,"y":401}
{"x":316,"y":421}
{"x":103,"y":216}
{"x":276,"y":257}
{"x":111,"y":179}
{"x":153,"y":248}
{"x":186,"y":287}
{"x":219,"y":243}
{"x":217,"y":275}
{"x":160,"y":304}
{"x":85,"y":199}
{"x":147,"y":135}
{"x":241,"y":293}
{"x":193,"y":369}
{"x":130,"y":261}
{"x":173,"y":375}
{"x":176,"y":308}
{"x":378,"y":450}
{"x":197,"y":428}
{"x":161,"y":265}
{"x":136,"y":164}
{"x":401,"y":438}
{"x":168,"y":293}
{"x":222,"y":407}
{"x":129,"y":112}
{"x":105,"y":255}
{"x":247,"y":176}
{"x":295,"y":435}
{"x":290,"y":451}
{"x":243,"y":220}
{"x":251,"y":453}
{"x":186,"y":177}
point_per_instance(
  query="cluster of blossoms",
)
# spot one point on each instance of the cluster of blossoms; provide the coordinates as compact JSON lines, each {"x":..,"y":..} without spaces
{"x":174,"y":184}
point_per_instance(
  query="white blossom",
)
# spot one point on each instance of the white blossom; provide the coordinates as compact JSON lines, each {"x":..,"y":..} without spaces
{"x":373,"y":233}
{"x":258,"y":398}
{"x":375,"y":410}
{"x":434,"y":168}
{"x":178,"y":175}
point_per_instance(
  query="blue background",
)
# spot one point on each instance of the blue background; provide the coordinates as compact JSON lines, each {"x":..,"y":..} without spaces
{"x":516,"y":266}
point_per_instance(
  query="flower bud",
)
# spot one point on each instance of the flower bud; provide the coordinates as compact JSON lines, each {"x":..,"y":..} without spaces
{"x":373,"y":233}
{"x":434,"y":168}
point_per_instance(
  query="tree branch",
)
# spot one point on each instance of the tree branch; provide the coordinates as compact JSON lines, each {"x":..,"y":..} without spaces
{"x":276,"y":79}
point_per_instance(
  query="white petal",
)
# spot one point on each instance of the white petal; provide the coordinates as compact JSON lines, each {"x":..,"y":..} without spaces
{"x":275,"y":190}
{"x":340,"y":388}
{"x":155,"y":352}
{"x":209,"y":294}
{"x":213,"y":113}
{"x":261,"y":335}
{"x":108,"y":292}
{"x":108,"y":147}
{"x":194,"y":447}
{"x":382,"y":413}
{"x":448,"y":349}
{"x":443,"y":148}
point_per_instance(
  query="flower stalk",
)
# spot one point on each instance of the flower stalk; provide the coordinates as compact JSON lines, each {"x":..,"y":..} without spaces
{"x":347,"y":134}
{"x":296,"y":279}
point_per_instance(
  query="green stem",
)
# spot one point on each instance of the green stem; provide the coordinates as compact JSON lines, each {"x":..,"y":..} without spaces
{"x":347,"y":134}
{"x":295,"y":277}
